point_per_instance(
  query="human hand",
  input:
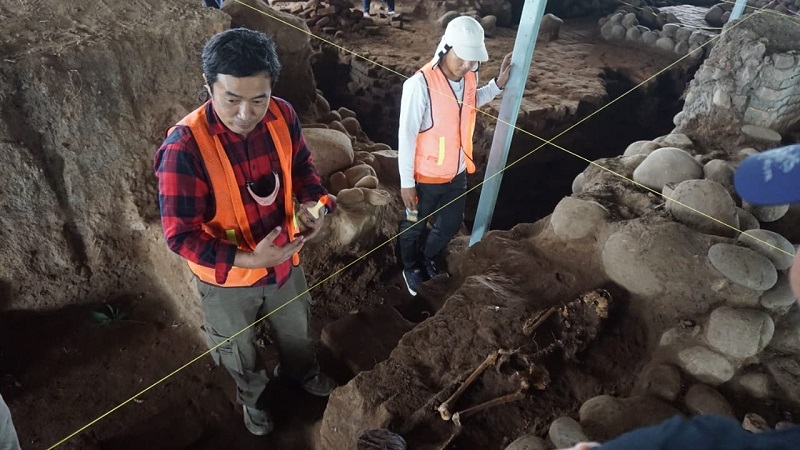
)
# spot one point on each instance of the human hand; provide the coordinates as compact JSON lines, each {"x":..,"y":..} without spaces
{"x":409,"y":197}
{"x":505,"y":70}
{"x":266,"y":253}
{"x":311,"y":216}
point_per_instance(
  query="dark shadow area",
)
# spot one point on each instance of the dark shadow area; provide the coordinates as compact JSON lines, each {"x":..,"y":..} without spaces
{"x":531,"y":188}
{"x":6,"y":294}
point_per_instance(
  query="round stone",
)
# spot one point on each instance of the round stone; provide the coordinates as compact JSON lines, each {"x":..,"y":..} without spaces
{"x":766,"y":213}
{"x":659,"y":380}
{"x":670,"y":30}
{"x":683,"y":34}
{"x":743,"y":266}
{"x":695,"y":202}
{"x":629,"y":21}
{"x":665,"y":43}
{"x":770,"y":244}
{"x":787,"y":336}
{"x":678,"y":140}
{"x":577,"y":183}
{"x":720,"y":171}
{"x":618,"y":32}
{"x":604,"y":416}
{"x":574,"y":218}
{"x":565,"y":432}
{"x":681,"y":48}
{"x":633,"y":34}
{"x":747,"y":221}
{"x":702,"y":399}
{"x":780,"y":298}
{"x":527,"y":442}
{"x":665,"y":165}
{"x":762,"y":134}
{"x":705,"y":365}
{"x":739,"y":333}
{"x":332,"y":150}
{"x":641,"y":148}
{"x":649,"y":37}
{"x":755,"y":384}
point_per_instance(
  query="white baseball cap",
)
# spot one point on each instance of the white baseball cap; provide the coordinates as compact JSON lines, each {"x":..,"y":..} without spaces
{"x":465,"y":35}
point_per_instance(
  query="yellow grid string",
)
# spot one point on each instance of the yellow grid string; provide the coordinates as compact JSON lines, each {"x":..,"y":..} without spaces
{"x":423,"y":220}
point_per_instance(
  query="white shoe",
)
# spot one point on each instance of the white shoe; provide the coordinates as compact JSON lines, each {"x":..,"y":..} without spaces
{"x":366,"y":14}
{"x":258,"y":422}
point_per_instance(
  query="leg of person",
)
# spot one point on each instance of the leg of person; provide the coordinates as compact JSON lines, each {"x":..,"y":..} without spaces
{"x":365,"y":5}
{"x":390,"y":6}
{"x":226,"y":311}
{"x":8,"y":434}
{"x":448,"y":220}
{"x":428,"y":195}
{"x":289,"y":321}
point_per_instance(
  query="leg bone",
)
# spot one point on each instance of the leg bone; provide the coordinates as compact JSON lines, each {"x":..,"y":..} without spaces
{"x":460,"y":415}
{"x":444,"y":408}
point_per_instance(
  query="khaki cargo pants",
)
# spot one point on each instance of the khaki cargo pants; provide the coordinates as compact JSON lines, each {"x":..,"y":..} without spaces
{"x":226,"y":311}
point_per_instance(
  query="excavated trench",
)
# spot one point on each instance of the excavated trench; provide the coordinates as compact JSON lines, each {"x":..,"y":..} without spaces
{"x":88,"y":359}
{"x":533,"y":186}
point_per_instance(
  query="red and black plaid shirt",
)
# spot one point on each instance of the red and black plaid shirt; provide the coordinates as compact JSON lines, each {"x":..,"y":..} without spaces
{"x":187,"y":200}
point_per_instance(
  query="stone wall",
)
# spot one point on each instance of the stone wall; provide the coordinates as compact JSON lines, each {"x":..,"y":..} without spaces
{"x":752,"y":77}
{"x":372,"y":92}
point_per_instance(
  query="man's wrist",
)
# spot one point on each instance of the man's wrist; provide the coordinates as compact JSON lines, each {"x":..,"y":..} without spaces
{"x":497,"y":83}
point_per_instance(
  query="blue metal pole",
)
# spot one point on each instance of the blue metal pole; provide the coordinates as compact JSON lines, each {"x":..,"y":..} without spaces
{"x":528,"y":30}
{"x":738,"y":9}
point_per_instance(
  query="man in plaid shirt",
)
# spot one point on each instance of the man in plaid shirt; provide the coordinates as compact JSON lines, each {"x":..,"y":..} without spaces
{"x":241,"y":242}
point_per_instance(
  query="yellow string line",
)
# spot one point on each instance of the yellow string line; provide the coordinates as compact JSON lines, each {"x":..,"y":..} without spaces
{"x":420,"y":221}
{"x":656,"y":15}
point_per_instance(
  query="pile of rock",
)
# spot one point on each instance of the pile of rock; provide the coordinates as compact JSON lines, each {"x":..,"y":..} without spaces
{"x":672,"y":37}
{"x":719,"y":14}
{"x":749,"y":342}
{"x":490,"y":13}
{"x":657,"y":396}
{"x":334,"y":16}
{"x":351,"y":167}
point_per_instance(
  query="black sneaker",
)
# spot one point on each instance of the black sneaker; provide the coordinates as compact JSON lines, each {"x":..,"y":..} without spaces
{"x":413,"y":279}
{"x":431,"y":270}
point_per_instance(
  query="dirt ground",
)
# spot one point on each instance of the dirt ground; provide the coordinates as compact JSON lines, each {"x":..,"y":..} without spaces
{"x":61,"y":370}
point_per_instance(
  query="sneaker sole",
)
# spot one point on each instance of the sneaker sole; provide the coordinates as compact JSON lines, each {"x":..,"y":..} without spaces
{"x":253,"y":428}
{"x":410,"y":291}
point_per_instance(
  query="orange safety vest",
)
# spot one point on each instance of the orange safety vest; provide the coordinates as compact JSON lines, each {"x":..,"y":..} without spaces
{"x":230,"y":219}
{"x":437,"y":154}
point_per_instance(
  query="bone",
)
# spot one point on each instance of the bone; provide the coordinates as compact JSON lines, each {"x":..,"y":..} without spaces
{"x":532,"y":324}
{"x":519,"y":395}
{"x":444,"y":408}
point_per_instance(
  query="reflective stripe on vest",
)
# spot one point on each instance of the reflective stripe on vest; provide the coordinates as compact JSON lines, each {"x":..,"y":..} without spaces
{"x":437,"y":154}
{"x":230,"y":218}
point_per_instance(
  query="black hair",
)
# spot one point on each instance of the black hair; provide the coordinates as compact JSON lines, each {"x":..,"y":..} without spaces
{"x":240,"y":52}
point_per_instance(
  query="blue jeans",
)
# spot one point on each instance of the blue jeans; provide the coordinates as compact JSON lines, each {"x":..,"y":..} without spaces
{"x":8,"y":435}
{"x":365,"y":4}
{"x":446,"y":223}
{"x":213,"y":3}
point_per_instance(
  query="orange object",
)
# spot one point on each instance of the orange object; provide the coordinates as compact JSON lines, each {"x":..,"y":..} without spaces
{"x":315,"y":210}
{"x":438,"y":147}
{"x":230,"y":220}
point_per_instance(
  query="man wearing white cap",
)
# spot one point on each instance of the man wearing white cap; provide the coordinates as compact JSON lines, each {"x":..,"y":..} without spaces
{"x":437,"y":120}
